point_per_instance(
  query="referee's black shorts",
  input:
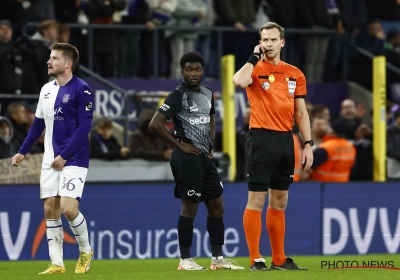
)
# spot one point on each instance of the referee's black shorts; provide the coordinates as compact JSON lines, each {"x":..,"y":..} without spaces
{"x":196,"y":176}
{"x":270,"y":159}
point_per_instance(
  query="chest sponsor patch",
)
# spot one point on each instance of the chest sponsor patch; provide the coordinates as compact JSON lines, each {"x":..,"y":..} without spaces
{"x":265,"y":85}
{"x":291,"y":87}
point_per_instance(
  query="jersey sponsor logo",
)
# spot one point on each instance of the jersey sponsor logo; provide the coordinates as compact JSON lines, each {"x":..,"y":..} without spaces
{"x":193,"y":192}
{"x":164,"y":107}
{"x":88,"y":106}
{"x":58,"y":111}
{"x":88,"y":92}
{"x":65,"y":98}
{"x":56,"y":115}
{"x":193,"y":108}
{"x":292,"y":87}
{"x":201,"y":120}
{"x":265,"y":85}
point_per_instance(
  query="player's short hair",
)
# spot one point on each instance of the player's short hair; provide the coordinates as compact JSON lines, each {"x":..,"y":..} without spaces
{"x":272,"y":25}
{"x":69,"y":51}
{"x":46,"y":24}
{"x":104,"y":123}
{"x":191,"y":57}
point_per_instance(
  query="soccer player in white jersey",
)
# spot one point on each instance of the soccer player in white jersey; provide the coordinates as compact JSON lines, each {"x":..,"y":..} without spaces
{"x":65,"y":110}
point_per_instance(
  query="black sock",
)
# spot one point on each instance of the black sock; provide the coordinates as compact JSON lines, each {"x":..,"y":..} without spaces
{"x":216,"y":228}
{"x":185,"y":235}
{"x":185,"y":252}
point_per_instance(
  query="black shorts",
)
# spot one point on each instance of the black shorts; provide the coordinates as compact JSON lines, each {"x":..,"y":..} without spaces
{"x":270,"y":159}
{"x":196,"y":177}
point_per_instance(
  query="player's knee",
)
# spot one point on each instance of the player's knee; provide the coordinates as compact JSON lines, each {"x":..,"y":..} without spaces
{"x":49,"y":211}
{"x":278,"y":202}
{"x":189,"y":210}
{"x":217,"y":211}
{"x":256,"y":201}
{"x":70,"y":213}
{"x":221,"y":210}
{"x":277,"y":206}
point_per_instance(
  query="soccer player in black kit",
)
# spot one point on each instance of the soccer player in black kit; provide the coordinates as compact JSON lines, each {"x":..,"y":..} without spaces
{"x":191,"y":107}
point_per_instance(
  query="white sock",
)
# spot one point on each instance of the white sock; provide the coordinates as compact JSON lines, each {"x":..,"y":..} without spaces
{"x":79,"y":228}
{"x":55,"y":237}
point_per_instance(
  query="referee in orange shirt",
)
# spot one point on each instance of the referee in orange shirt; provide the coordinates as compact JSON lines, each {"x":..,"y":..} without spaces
{"x":276,"y":92}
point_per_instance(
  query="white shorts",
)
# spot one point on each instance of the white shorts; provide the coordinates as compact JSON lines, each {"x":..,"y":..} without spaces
{"x":67,"y":182}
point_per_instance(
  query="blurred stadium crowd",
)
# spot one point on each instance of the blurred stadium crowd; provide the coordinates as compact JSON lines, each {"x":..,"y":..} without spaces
{"x":126,"y":53}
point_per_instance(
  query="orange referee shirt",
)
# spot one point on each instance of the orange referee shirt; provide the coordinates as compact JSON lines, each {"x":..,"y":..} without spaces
{"x":272,"y":94}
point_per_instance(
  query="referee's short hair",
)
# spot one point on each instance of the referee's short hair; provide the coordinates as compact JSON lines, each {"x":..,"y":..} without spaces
{"x":69,"y":51}
{"x":272,"y":25}
{"x":191,"y":57}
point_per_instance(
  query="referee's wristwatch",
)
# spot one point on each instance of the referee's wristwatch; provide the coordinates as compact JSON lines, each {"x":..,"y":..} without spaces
{"x":311,"y":142}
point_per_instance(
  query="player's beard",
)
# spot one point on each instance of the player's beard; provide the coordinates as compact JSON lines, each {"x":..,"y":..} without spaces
{"x":54,"y":73}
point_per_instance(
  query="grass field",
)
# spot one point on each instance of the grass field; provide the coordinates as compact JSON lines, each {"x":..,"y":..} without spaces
{"x":167,"y":269}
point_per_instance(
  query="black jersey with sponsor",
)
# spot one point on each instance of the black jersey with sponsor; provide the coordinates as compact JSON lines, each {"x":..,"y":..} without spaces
{"x":190,"y":112}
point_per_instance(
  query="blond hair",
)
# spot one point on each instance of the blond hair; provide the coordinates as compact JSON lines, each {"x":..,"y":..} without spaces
{"x":67,"y":50}
{"x":272,"y":25}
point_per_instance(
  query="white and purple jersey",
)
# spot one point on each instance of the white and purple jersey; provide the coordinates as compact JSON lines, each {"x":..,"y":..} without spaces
{"x":66,"y":112}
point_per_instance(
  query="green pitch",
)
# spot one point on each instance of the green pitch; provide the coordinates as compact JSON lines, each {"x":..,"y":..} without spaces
{"x":167,"y":269}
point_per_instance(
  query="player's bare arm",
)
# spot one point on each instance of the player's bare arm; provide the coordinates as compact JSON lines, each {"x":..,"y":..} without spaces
{"x":303,"y":122}
{"x":157,"y":125}
{"x":242,"y":78}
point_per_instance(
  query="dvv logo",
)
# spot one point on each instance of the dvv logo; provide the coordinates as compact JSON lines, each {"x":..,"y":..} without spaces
{"x":14,"y":241}
{"x":366,"y":229}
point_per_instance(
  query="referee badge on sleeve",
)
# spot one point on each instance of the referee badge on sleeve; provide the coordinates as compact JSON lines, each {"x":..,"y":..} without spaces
{"x":291,"y":86}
